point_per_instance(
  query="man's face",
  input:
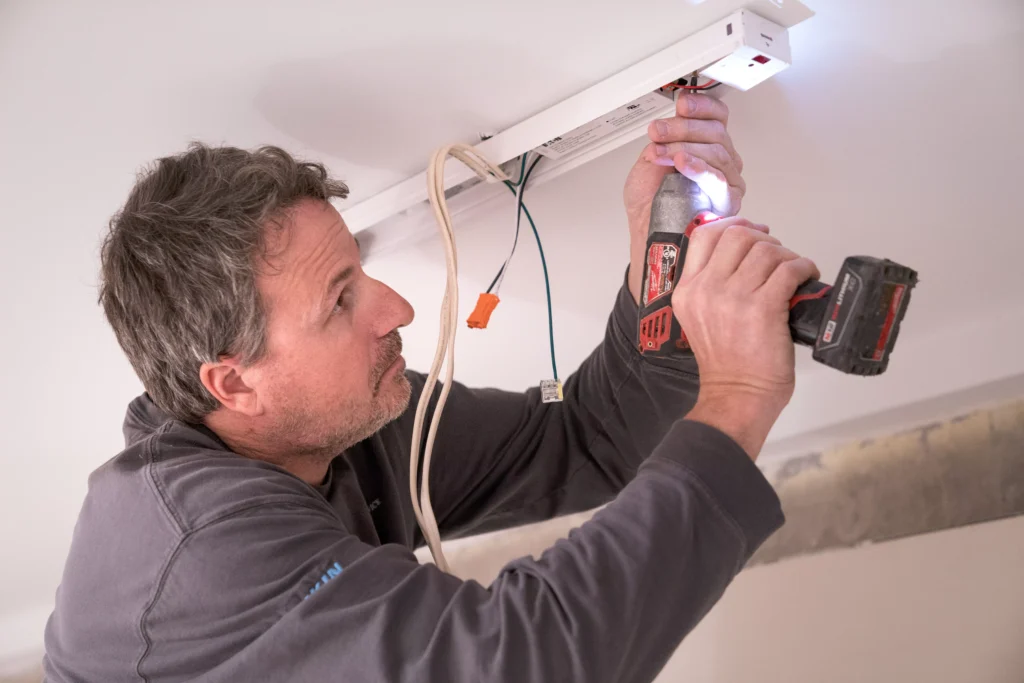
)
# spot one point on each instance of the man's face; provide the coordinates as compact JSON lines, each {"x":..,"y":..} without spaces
{"x":333,"y":370}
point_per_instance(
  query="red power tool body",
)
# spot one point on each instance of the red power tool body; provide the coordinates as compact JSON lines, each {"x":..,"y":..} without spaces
{"x":852,"y":326}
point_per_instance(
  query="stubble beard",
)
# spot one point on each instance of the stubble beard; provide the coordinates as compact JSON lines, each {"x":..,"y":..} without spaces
{"x":326,"y":436}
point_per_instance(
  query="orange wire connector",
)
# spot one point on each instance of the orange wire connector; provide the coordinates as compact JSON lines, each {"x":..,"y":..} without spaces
{"x":482,"y":313}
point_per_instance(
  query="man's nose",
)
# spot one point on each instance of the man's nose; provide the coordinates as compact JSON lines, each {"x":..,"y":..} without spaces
{"x":396,"y":311}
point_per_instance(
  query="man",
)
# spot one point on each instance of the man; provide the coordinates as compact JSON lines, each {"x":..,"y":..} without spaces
{"x":257,"y":525}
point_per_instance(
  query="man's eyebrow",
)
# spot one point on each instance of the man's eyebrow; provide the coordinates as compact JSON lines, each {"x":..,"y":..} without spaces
{"x":337,"y":279}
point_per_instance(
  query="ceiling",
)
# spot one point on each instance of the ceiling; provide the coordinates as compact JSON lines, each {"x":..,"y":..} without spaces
{"x":370,"y":88}
{"x":915,"y":95}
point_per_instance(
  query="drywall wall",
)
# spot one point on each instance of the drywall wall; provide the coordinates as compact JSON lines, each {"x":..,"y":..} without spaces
{"x":895,"y":134}
{"x":946,"y":607}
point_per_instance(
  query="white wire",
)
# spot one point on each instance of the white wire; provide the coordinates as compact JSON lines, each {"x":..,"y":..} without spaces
{"x":515,"y":241}
{"x":518,"y":220}
{"x":444,"y":354}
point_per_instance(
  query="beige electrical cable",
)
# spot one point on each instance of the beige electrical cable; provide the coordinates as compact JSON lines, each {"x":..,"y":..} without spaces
{"x":445,"y":352}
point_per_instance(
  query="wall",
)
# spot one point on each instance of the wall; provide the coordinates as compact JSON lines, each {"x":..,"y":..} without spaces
{"x":896,"y":133}
{"x":945,"y":607}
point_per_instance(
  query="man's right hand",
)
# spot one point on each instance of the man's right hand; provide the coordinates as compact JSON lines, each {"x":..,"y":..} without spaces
{"x":732,"y":301}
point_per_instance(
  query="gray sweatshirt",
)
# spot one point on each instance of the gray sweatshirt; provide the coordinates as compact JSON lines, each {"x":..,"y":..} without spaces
{"x":192,"y":563}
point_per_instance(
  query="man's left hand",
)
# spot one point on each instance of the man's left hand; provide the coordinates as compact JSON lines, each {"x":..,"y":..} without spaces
{"x":696,"y":143}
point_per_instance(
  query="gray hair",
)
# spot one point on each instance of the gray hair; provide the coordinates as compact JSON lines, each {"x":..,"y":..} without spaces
{"x":179,"y":263}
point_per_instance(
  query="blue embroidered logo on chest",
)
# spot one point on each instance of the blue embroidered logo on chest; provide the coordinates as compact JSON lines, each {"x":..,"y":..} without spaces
{"x":332,"y":571}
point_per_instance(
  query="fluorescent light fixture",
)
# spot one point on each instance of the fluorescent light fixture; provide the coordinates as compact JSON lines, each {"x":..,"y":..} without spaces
{"x":740,"y":51}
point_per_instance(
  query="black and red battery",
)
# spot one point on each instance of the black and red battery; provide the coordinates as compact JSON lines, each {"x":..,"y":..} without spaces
{"x":852,"y":327}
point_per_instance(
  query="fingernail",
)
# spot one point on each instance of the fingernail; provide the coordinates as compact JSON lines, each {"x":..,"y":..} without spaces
{"x":664,"y":161}
{"x":660,"y":150}
{"x":661,"y":127}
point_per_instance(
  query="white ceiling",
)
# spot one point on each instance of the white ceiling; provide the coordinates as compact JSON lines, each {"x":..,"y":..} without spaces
{"x":922,"y":95}
{"x":369,"y":88}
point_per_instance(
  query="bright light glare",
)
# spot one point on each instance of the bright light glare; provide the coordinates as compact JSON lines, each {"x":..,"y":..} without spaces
{"x":715,"y":188}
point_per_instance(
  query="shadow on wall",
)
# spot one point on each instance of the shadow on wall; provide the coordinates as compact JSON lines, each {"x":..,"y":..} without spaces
{"x":28,"y":674}
{"x":434,"y":95}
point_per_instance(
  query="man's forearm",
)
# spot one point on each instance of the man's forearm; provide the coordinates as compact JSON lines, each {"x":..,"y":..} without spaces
{"x":609,"y":603}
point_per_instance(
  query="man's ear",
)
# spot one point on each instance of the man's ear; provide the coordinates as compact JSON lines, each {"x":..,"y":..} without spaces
{"x":225,"y":380}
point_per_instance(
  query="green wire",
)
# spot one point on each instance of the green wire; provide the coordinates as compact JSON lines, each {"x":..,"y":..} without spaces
{"x":547,"y":282}
{"x":547,"y":288}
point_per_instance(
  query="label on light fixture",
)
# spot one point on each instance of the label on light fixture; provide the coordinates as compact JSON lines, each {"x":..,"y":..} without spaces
{"x":589,"y":132}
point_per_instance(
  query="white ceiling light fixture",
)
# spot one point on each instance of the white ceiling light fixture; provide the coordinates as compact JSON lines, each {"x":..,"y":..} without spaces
{"x":742,"y":49}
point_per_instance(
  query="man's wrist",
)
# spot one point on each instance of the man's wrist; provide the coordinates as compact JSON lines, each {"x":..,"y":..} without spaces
{"x":746,"y":417}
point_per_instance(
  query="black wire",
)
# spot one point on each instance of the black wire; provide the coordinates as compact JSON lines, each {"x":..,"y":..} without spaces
{"x":519,"y":213}
{"x":532,"y":166}
{"x":522,"y":172}
{"x":495,"y":280}
{"x":515,"y":240}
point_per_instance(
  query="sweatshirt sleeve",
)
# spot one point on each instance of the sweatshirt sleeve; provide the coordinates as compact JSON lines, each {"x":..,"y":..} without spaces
{"x":609,"y":603}
{"x":504,"y":458}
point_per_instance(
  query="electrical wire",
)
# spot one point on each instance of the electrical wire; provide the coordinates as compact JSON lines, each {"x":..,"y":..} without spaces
{"x":710,"y":85}
{"x":522,"y":173}
{"x":444,"y":355}
{"x":519,"y":183}
{"x":547,"y":289}
{"x":517,"y":189}
{"x":500,"y":277}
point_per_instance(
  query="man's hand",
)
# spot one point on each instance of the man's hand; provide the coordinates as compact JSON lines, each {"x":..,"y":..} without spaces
{"x":695,"y":143}
{"x":733,"y":304}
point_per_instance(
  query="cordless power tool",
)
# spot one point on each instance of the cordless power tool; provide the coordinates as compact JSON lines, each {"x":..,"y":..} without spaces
{"x":852,"y":326}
